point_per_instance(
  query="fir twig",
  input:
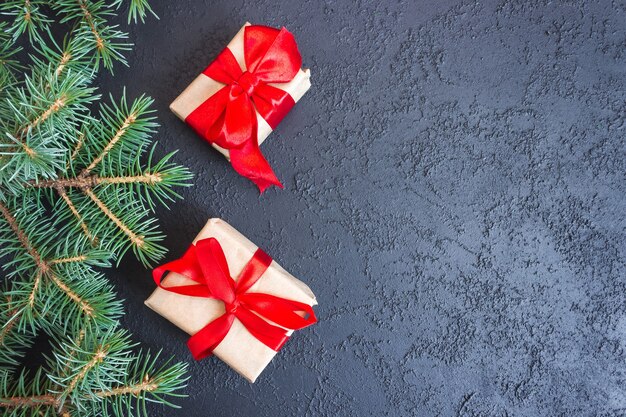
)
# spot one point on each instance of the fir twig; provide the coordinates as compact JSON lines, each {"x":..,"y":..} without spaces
{"x":77,"y":191}
{"x":21,"y":236}
{"x":61,"y":190}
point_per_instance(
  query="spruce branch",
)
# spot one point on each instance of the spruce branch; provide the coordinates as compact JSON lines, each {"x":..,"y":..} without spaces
{"x":9,"y":65}
{"x":55,"y":291}
{"x":77,"y":191}
{"x":107,"y":183}
{"x":21,"y":235}
{"x":137,"y":240}
{"x":106,"y":41}
{"x":28,"y":17}
{"x":137,"y":9}
{"x":13,"y":342}
{"x":93,"y":373}
{"x":77,"y":148}
{"x":84,"y":182}
{"x":145,"y":381}
{"x":121,"y":133}
{"x":78,"y":258}
{"x":25,"y":395}
{"x":154,"y":181}
{"x":89,"y":19}
{"x":126,"y":125}
{"x":36,"y":284}
{"x":34,"y":401}
{"x":72,"y":55}
{"x":84,"y":306}
{"x":39,"y":118}
{"x":76,"y":214}
{"x":8,"y":324}
{"x":135,"y":389}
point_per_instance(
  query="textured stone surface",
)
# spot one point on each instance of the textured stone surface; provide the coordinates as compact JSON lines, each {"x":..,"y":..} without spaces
{"x":454,"y":193}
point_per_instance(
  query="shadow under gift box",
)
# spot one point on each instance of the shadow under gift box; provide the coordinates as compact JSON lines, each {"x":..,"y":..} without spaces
{"x":204,"y":87}
{"x":239,"y":349}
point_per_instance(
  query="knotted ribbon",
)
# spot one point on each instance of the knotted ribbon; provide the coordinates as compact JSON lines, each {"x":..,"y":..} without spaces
{"x":206,"y":264}
{"x":228,"y":118}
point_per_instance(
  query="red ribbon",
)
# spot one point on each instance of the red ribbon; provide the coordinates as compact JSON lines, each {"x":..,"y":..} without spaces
{"x":205,"y":263}
{"x":228,"y":118}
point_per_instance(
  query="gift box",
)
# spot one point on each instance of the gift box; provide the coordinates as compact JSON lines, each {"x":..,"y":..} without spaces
{"x":232,"y":298}
{"x":238,"y":100}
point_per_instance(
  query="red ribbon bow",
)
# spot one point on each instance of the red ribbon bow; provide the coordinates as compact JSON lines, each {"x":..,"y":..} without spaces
{"x":205,"y":263}
{"x":228,"y":118}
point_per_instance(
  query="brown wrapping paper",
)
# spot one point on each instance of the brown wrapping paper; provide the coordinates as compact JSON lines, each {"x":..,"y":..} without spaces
{"x":204,"y":87}
{"x":239,"y":349}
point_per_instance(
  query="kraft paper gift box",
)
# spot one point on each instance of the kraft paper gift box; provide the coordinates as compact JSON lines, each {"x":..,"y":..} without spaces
{"x":239,"y":349}
{"x":188,"y":106}
{"x":204,"y":87}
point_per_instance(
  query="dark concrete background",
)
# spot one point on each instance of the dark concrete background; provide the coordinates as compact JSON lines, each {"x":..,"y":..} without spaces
{"x":454,"y":194}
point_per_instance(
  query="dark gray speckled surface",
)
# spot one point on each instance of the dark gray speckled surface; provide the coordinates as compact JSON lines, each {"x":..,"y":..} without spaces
{"x":454,"y":194}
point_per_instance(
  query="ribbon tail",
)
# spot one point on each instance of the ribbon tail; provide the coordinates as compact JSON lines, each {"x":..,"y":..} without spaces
{"x":290,"y":314}
{"x":273,"y":337}
{"x":249,"y":162}
{"x":204,"y":341}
